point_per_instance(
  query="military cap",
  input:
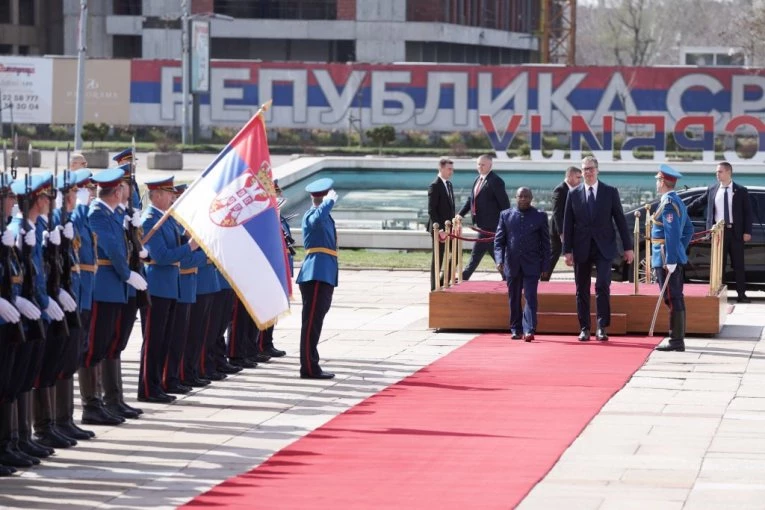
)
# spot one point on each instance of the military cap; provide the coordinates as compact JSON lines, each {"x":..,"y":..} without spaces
{"x":109,"y":178}
{"x":180,"y":188}
{"x":66,"y":181}
{"x":161,"y":183}
{"x":41,"y":184}
{"x":320,"y":187}
{"x":125,"y":168}
{"x":83,"y":178}
{"x":124,"y":156}
{"x":668,"y":173}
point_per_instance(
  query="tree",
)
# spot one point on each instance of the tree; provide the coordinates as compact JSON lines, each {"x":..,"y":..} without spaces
{"x":382,"y":135}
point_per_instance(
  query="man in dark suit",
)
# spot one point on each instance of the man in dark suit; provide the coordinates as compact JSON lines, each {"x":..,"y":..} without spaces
{"x":522,"y":249}
{"x":730,"y":204}
{"x":440,"y":208}
{"x":487,"y":199}
{"x":572,"y":180}
{"x":592,"y":209}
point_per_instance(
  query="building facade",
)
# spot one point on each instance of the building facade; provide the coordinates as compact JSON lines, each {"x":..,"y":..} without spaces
{"x":446,"y":31}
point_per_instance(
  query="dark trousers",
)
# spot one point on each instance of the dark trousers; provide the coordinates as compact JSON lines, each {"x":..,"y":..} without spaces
{"x":317,"y":299}
{"x":156,"y":336}
{"x":582,"y":270}
{"x":265,"y":339}
{"x":556,"y":249}
{"x":433,"y":266}
{"x":52,"y":351}
{"x":735,"y":249}
{"x":214,"y":351}
{"x":171,"y":373}
{"x":199,"y":329}
{"x":673,"y":296}
{"x":128,"y":314}
{"x":523,"y":320}
{"x":7,"y":359}
{"x":479,"y":250}
{"x":242,"y":332}
{"x":71,"y":352}
{"x":104,"y":331}
{"x":86,"y":319}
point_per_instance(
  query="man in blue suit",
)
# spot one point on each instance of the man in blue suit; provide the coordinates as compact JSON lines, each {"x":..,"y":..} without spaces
{"x":592,"y":209}
{"x":318,"y":274}
{"x":671,"y":233}
{"x":522,"y":249}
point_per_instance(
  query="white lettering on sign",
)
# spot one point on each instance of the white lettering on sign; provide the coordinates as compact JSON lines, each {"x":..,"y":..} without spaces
{"x":676,"y":91}
{"x":219,"y":93}
{"x":298,"y":79}
{"x":436,"y":82}
{"x":549,"y":97}
{"x":338,"y":102}
{"x":380,"y":95}
{"x":169,"y":98}
{"x":517,"y":90}
{"x":739,"y":104}
{"x":616,"y":89}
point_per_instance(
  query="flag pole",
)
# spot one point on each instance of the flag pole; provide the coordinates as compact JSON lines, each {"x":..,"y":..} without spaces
{"x":263,"y":108}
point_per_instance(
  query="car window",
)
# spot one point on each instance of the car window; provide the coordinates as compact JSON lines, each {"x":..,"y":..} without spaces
{"x":758,"y":207}
{"x":700,"y":214}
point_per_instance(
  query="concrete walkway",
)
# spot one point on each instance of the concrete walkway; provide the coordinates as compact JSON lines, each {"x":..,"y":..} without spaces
{"x":686,"y":432}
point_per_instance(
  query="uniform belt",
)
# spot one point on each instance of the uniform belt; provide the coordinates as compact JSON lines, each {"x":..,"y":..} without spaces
{"x":321,"y":250}
{"x":90,"y":268}
{"x":17,"y":280}
{"x":103,"y":262}
{"x":729,"y":225}
{"x":152,"y":263}
{"x":658,"y":241}
{"x":190,"y":270}
{"x":76,"y":268}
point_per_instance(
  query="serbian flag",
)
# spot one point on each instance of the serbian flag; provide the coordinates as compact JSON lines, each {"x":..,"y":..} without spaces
{"x":230,"y":210}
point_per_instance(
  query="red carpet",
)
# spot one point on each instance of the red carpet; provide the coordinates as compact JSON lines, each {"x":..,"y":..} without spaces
{"x":568,"y":287}
{"x":476,"y":429}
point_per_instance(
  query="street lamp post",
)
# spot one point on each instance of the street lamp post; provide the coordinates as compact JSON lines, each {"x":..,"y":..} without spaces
{"x":81,"y":54}
{"x":185,"y":70}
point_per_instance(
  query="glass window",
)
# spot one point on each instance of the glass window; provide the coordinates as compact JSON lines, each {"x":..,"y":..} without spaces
{"x":27,"y":13}
{"x":127,"y":46}
{"x":127,"y":7}
{"x":5,"y":11}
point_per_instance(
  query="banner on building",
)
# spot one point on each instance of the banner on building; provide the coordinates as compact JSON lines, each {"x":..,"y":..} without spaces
{"x":107,"y":91}
{"x":25,"y":89}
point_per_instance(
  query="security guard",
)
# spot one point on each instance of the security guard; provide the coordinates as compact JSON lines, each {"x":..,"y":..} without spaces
{"x":671,"y":233}
{"x":113,"y":276}
{"x":318,"y":274}
{"x":163,"y":275}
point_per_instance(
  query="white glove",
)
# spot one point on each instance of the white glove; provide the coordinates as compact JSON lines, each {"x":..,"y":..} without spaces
{"x":8,"y":312}
{"x":83,"y":196}
{"x":29,"y":238}
{"x":67,"y":301}
{"x":136,"y":219}
{"x":68,"y":230}
{"x":671,"y":268}
{"x":125,"y":222}
{"x":331,"y":195}
{"x":54,"y":236}
{"x":143,"y":254}
{"x":27,"y":309}
{"x":137,"y":281}
{"x":8,"y":238}
{"x":54,"y":311}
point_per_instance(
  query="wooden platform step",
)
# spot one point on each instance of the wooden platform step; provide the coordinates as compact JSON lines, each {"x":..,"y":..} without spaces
{"x":562,"y":322}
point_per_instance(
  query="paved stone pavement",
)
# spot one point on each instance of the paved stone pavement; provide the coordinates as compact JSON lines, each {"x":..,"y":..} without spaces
{"x":684,"y":433}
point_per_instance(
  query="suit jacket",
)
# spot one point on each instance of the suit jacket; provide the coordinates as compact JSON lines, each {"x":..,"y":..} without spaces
{"x":440,"y":204}
{"x":487,"y":205}
{"x":559,"y":195}
{"x":579,"y":229}
{"x":522,"y":242}
{"x":741,"y":206}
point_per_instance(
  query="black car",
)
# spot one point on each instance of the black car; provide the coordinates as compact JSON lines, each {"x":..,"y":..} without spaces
{"x":697,"y":268}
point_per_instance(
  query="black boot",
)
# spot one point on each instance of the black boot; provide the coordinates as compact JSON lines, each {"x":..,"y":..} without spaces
{"x":65,"y":411}
{"x":22,"y":429}
{"x":45,"y":429}
{"x":93,"y":411}
{"x":114,"y":398}
{"x":676,"y":339}
{"x":9,"y":454}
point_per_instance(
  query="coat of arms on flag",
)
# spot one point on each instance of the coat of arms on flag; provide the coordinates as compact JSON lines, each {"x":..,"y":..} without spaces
{"x":248,"y":195}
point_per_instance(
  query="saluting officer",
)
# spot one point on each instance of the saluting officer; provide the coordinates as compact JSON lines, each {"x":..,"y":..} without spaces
{"x":671,"y":233}
{"x":113,"y":276}
{"x":163,"y":275}
{"x":318,"y":274}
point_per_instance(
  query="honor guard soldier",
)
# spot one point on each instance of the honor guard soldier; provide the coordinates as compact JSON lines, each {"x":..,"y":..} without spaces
{"x":125,"y":161}
{"x":671,"y":233}
{"x":318,"y":274}
{"x":163,"y":275}
{"x":200,"y":327}
{"x":113,"y":276}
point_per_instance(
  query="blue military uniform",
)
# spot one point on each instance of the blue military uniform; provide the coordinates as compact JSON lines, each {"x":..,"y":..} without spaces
{"x":200,"y":325}
{"x":671,"y":233}
{"x":318,"y":276}
{"x":522,"y":246}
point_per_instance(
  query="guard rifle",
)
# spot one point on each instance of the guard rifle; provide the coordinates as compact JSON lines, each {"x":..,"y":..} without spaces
{"x":9,"y":267}
{"x":134,"y":236}
{"x":53,"y":258}
{"x":36,"y":329}
{"x":68,"y":251}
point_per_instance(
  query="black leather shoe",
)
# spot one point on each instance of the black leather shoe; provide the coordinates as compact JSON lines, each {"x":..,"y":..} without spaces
{"x":31,"y":458}
{"x":216,"y":376}
{"x":126,"y":407}
{"x":73,"y":431}
{"x":196,"y":383}
{"x":274,"y":352}
{"x":528,"y":337}
{"x":678,"y":347}
{"x":602,"y":335}
{"x":228,"y":368}
{"x":243,"y":362}
{"x":157,"y":399}
{"x":178,"y":389}
{"x":97,"y":415}
{"x":319,"y":375}
{"x":584,"y":335}
{"x":743,"y":300}
{"x":515,"y":336}
{"x":33,"y":449}
{"x":48,"y":437}
{"x":9,"y":457}
{"x":122,"y":412}
{"x":7,"y":470}
{"x":262,"y":358}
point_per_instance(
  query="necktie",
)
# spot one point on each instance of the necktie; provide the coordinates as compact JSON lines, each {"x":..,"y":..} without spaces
{"x":591,"y":202}
{"x":451,"y":193}
{"x":726,"y":213}
{"x":478,"y":186}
